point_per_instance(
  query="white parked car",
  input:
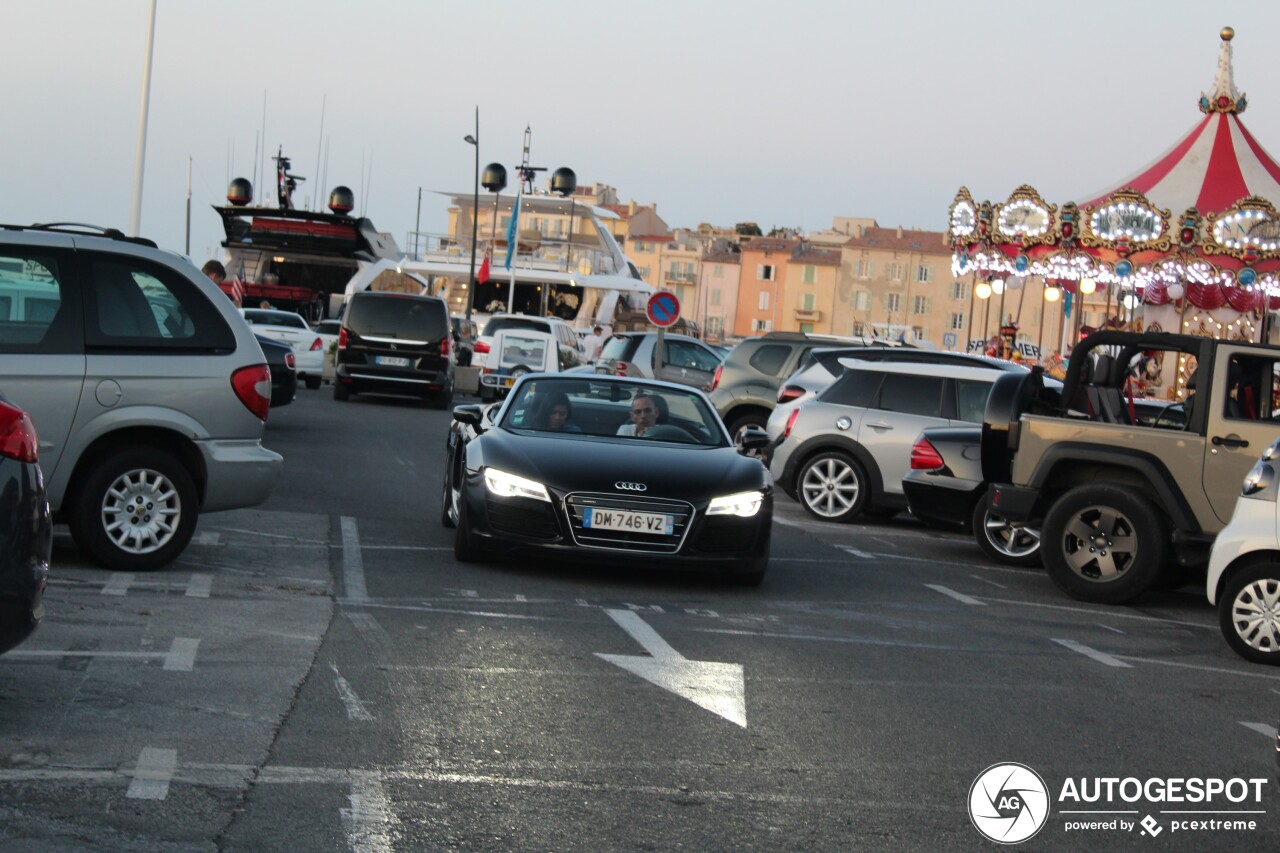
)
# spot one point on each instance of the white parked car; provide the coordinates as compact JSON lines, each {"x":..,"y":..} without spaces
{"x":1244,"y":566}
{"x":290,"y":328}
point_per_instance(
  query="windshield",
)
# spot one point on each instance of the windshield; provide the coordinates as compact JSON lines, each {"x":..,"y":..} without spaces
{"x":497,"y":324}
{"x":409,"y":318}
{"x":632,"y":410}
{"x":262,"y":317}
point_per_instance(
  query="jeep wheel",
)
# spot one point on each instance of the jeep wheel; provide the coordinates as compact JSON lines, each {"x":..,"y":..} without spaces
{"x":1249,"y":612}
{"x":1002,"y":540}
{"x":136,"y":510}
{"x":832,"y":486}
{"x":1103,"y":544}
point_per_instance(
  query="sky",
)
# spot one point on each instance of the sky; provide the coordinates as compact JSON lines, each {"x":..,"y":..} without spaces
{"x":782,"y":113}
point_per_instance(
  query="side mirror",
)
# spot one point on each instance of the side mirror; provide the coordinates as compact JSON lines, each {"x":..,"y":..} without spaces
{"x":470,"y":414}
{"x":753,"y":438}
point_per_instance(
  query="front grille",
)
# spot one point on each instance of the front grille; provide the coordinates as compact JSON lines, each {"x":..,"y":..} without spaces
{"x":681,"y":511}
{"x":526,"y":517}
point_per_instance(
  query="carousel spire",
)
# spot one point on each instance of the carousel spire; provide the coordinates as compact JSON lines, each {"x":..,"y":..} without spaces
{"x":1223,"y":97}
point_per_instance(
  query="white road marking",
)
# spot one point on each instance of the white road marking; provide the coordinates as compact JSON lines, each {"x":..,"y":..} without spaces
{"x":652,"y":608}
{"x":153,"y":774}
{"x":296,"y":539}
{"x":355,"y":708}
{"x":199,"y":586}
{"x":986,"y":580}
{"x":1100,"y":657}
{"x":520,"y":597}
{"x":401,"y":547}
{"x":468,"y":593}
{"x":118,"y":584}
{"x":861,"y":555}
{"x":717,"y":687}
{"x":353,"y":562}
{"x":694,"y":611}
{"x":369,"y":819}
{"x":1110,"y":628}
{"x":958,"y":596}
{"x":1110,"y":613}
{"x":1261,"y":728}
{"x":209,"y":538}
{"x":182,"y":655}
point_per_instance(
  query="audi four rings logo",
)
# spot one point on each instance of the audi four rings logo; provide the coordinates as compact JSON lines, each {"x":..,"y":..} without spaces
{"x":631,"y":487}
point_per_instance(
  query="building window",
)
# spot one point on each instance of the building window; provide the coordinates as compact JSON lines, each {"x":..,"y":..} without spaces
{"x":923,"y":273}
{"x":763,"y":302}
{"x":718,"y":270}
{"x":893,"y":301}
{"x":806,"y":328}
{"x":764,"y":272}
{"x":863,"y":268}
{"x":810,"y":274}
{"x":955,"y":321}
{"x":959,"y":290}
{"x":919,"y":305}
{"x":807,"y":302}
{"x":917,"y":332}
{"x":862,"y":300}
{"x":761,"y":326}
{"x":893,"y":271}
{"x":715,"y":297}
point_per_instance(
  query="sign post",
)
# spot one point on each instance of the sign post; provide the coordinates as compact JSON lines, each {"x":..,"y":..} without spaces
{"x":663,"y":309}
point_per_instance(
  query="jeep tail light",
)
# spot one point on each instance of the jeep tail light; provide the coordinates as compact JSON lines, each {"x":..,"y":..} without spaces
{"x":342,"y":339}
{"x":444,"y":345}
{"x":715,"y":380}
{"x":317,"y":344}
{"x":253,"y":386}
{"x":620,"y":368}
{"x":789,"y":393}
{"x":791,"y":421}
{"x":925,"y":457}
{"x":17,"y":434}
{"x":481,"y":346}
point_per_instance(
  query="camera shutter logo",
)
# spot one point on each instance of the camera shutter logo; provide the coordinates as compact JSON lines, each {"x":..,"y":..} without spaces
{"x":1008,"y":803}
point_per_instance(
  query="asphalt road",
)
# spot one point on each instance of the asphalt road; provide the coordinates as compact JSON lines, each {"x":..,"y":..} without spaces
{"x":318,"y":674}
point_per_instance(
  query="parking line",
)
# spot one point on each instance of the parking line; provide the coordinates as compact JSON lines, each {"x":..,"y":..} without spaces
{"x":958,"y":596}
{"x":370,"y":814}
{"x":1100,"y":657}
{"x":153,"y":774}
{"x":353,"y":562}
{"x":355,"y":708}
{"x":199,"y":586}
{"x":182,"y":655}
{"x":118,"y":584}
{"x":1260,"y":728}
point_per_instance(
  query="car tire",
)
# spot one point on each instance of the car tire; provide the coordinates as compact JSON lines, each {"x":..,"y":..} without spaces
{"x":1104,"y":544}
{"x":159,"y":491}
{"x":313,"y":383}
{"x":748,"y":420}
{"x":341,"y":392}
{"x":1002,"y":541}
{"x":465,"y":549}
{"x":833,"y":487}
{"x":1249,"y":612}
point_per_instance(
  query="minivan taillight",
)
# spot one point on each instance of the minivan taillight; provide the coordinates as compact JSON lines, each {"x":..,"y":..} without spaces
{"x":789,"y":393}
{"x":715,"y":380}
{"x":317,"y":344}
{"x":17,"y":434}
{"x":253,"y":386}
{"x":925,"y":457}
{"x":342,"y":339}
{"x":444,"y":345}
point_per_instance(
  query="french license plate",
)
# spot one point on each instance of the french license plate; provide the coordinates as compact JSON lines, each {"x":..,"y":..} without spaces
{"x":635,"y":522}
{"x":392,"y":360}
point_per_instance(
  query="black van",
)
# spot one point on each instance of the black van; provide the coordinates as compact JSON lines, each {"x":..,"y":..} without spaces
{"x":395,"y":343}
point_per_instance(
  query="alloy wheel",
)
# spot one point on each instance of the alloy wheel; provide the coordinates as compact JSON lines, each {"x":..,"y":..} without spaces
{"x":141,"y":511}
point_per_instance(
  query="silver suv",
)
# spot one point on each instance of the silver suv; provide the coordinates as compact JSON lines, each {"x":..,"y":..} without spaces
{"x":686,"y":360}
{"x":147,"y":388}
{"x":847,"y":450}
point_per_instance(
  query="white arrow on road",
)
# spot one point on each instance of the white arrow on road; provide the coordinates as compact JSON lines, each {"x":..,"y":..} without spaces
{"x":718,"y":687}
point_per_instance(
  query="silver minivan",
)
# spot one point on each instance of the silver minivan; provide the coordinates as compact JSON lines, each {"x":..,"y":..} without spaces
{"x":846,"y":451}
{"x":147,"y":389}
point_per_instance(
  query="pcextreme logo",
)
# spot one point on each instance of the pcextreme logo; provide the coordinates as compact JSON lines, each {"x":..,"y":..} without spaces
{"x":1008,"y":803}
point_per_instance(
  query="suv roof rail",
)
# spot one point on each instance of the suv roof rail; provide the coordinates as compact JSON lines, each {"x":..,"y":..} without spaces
{"x":786,"y":336}
{"x":81,"y":228}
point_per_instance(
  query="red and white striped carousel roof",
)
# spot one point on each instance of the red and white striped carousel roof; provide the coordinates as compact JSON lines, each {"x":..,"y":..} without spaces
{"x":1211,"y":168}
{"x":1215,"y":165}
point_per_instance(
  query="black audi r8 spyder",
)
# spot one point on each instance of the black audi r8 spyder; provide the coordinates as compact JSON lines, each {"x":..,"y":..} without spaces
{"x":607,"y":469}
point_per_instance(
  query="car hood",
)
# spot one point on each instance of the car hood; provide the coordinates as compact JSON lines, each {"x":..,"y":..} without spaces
{"x":596,"y":464}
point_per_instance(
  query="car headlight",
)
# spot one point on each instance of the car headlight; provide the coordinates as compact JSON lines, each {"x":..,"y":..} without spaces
{"x":744,"y":504}
{"x":1260,"y":482}
{"x":506,"y":485}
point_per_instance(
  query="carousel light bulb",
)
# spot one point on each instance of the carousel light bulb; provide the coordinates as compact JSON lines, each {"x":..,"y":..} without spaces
{"x":1087,"y":286}
{"x":1175,"y":291}
{"x":982,"y":290}
{"x":997,"y":286}
{"x":1052,"y":294}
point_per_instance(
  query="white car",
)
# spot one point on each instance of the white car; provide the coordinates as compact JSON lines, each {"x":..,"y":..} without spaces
{"x":290,"y":328}
{"x":1244,"y":566}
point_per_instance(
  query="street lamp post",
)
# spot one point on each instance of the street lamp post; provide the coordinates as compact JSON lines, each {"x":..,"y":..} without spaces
{"x":474,"y":141}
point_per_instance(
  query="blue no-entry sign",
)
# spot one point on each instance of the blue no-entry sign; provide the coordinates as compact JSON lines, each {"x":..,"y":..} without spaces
{"x":663,"y":309}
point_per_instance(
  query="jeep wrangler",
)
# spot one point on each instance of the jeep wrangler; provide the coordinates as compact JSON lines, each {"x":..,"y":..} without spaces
{"x":1126,"y":500}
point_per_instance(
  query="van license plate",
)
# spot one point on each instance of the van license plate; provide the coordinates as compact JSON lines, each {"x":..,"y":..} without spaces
{"x":636,"y":522}
{"x":392,"y":361}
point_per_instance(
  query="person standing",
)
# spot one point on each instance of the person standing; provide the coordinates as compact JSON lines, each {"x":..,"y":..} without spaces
{"x":592,"y":344}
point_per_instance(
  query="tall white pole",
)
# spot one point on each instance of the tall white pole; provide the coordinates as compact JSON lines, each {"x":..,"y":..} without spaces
{"x":135,"y":217}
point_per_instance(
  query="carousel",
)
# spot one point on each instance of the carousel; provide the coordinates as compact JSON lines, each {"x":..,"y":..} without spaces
{"x":1189,"y":244}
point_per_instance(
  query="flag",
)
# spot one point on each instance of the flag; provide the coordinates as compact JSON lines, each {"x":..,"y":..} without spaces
{"x":483,"y":275}
{"x":513,"y":228}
